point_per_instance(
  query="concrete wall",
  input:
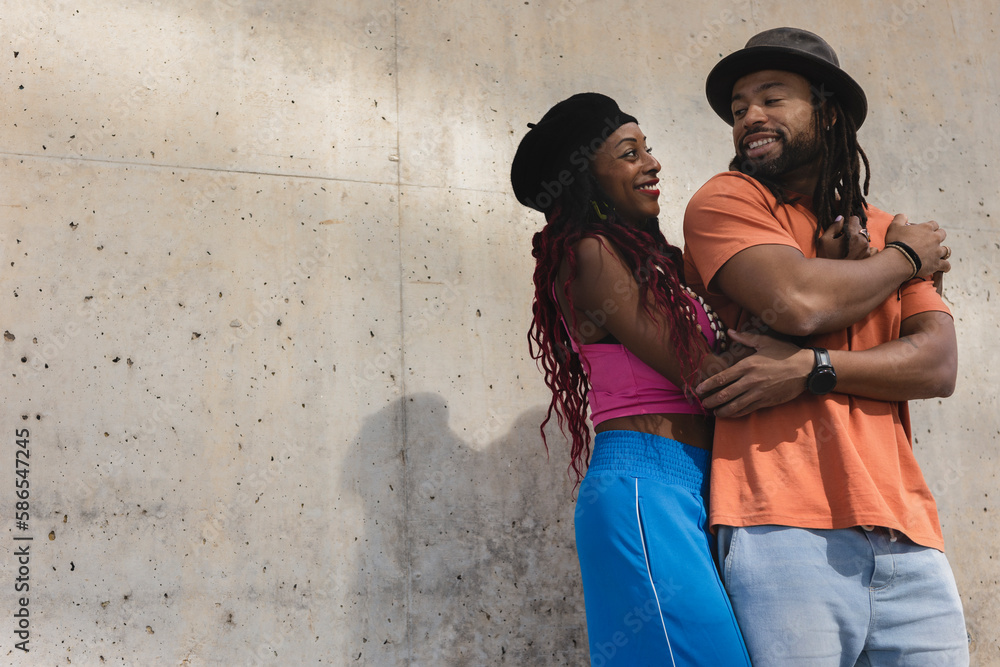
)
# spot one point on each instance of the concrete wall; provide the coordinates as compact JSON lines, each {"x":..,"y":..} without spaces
{"x":265,"y":293}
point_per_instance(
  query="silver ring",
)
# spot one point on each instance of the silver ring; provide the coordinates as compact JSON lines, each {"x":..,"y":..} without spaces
{"x":864,"y":232}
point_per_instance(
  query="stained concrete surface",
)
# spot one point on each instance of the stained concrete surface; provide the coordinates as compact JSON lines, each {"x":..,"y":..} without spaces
{"x":266,"y":290}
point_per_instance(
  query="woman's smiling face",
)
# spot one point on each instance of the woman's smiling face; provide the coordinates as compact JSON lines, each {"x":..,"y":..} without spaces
{"x":626,"y":171}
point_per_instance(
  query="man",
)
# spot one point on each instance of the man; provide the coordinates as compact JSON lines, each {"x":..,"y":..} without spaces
{"x":829,"y":540}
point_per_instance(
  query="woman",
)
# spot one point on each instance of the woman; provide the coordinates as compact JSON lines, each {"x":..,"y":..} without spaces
{"x":615,"y":330}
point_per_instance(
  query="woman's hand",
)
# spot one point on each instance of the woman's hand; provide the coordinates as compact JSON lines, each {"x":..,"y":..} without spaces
{"x":774,"y":375}
{"x":845,"y":240}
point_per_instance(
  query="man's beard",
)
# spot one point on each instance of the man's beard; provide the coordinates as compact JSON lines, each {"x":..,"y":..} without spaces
{"x":804,"y":149}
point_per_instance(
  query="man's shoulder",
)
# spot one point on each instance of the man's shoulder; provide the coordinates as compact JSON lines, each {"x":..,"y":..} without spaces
{"x":729,"y":195}
{"x":728,"y":189}
{"x":731,"y":182}
{"x":877,"y":218}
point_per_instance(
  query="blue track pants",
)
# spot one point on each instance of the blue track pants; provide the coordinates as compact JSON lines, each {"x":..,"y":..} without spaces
{"x":651,"y":587}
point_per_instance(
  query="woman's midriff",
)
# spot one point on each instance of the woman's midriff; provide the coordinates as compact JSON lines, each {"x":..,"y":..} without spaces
{"x":694,"y":430}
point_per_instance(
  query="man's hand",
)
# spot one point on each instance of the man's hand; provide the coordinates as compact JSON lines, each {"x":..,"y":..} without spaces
{"x":926,"y":240}
{"x":774,"y":375}
{"x":845,"y":240}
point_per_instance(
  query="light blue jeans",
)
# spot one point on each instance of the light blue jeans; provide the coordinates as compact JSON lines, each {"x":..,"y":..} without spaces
{"x":842,"y":598}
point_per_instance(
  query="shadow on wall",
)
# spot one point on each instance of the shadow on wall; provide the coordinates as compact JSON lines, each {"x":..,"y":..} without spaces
{"x":468,"y":554}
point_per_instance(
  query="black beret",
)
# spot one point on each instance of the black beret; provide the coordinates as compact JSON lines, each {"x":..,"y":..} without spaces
{"x":559,"y":147}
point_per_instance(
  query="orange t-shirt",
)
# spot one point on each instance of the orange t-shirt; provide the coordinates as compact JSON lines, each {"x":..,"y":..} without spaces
{"x":832,"y":461}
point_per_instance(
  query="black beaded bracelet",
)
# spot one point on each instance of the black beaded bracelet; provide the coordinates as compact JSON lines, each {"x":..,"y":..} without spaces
{"x":912,"y":256}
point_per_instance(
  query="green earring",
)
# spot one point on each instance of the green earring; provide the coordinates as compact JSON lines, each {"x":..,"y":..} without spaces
{"x":597,"y":209}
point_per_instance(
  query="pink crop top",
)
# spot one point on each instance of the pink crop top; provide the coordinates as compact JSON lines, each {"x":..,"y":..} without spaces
{"x":622,"y":385}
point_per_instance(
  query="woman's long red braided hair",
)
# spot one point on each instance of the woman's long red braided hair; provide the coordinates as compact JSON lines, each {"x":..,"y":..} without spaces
{"x":658,"y":269}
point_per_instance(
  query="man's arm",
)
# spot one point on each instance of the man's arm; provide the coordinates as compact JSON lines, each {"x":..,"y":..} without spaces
{"x":921,"y":363}
{"x":803,"y":296}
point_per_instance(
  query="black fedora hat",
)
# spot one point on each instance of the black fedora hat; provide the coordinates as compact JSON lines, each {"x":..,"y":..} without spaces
{"x":790,"y":50}
{"x":558,"y":148}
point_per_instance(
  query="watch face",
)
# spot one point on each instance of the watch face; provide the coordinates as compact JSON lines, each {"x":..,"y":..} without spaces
{"x":822,"y":381}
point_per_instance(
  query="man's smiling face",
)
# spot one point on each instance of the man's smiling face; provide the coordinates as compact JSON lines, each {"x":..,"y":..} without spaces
{"x":774,"y":128}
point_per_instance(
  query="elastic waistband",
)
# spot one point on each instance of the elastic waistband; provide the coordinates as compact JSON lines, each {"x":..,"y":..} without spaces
{"x":650,"y":456}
